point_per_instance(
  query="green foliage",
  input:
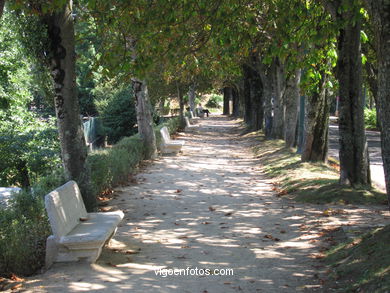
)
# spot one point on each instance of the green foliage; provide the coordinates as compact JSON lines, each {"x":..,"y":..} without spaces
{"x":214,"y":101}
{"x":28,"y":150}
{"x":112,"y":166}
{"x":117,"y":110}
{"x":370,"y":118}
{"x":23,"y":232}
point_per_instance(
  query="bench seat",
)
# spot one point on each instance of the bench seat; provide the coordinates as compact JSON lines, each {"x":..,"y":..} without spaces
{"x":94,"y":231}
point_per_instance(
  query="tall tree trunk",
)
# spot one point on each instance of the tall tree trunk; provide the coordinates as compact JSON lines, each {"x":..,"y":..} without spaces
{"x":291,"y":100}
{"x":247,"y":95}
{"x":181,"y":105}
{"x":227,"y":94}
{"x":354,"y":160}
{"x":191,"y":97}
{"x":315,"y":147}
{"x":266,"y":75}
{"x":62,"y":63}
{"x":144,"y":118}
{"x":236,"y":102}
{"x":256,"y":94}
{"x":278,"y":119}
{"x":380,"y":15}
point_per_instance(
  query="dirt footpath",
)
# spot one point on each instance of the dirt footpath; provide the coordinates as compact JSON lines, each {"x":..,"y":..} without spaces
{"x":208,"y":211}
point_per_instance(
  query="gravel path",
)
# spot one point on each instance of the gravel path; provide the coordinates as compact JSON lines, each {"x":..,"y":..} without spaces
{"x":206,"y":208}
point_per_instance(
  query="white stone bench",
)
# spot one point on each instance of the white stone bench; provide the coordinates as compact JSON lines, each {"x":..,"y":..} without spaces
{"x":193,"y":116}
{"x":168,"y":145}
{"x":77,"y":235}
{"x":190,"y":127}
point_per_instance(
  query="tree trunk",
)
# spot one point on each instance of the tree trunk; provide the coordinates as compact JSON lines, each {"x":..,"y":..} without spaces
{"x":62,"y":63}
{"x":236,"y":103}
{"x":268,"y":92}
{"x":354,"y":161}
{"x":256,"y":94}
{"x":315,"y":147}
{"x":227,"y":94}
{"x":247,"y":95}
{"x":380,"y":14}
{"x":144,"y":118}
{"x":278,"y":119}
{"x":191,"y":97}
{"x":181,"y":105}
{"x":291,"y":99}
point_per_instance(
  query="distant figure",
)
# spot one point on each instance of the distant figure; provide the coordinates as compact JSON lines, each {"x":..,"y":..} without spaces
{"x":202,"y":111}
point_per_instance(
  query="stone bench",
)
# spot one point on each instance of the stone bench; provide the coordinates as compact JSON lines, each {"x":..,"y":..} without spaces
{"x":168,"y":145}
{"x":190,"y":127}
{"x":193,"y":116}
{"x":77,"y":235}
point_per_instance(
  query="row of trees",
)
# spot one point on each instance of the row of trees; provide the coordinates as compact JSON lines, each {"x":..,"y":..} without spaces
{"x":264,"y":53}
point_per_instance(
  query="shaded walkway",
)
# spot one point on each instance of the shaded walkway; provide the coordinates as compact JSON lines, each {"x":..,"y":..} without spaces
{"x":207,"y":208}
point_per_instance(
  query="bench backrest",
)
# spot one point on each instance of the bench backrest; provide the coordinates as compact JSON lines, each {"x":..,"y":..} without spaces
{"x":187,"y":122}
{"x":165,"y":134}
{"x":65,"y":207}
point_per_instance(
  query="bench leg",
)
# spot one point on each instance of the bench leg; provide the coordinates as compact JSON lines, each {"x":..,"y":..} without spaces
{"x":51,"y":251}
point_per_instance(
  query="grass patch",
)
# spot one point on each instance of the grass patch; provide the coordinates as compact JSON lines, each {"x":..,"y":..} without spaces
{"x":361,"y":264}
{"x":308,"y":182}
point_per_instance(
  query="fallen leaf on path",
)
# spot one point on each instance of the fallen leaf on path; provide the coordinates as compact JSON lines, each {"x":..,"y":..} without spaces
{"x":16,"y":278}
{"x":178,"y":190}
{"x":229,"y":214}
{"x":282,"y":231}
{"x":211,"y":209}
{"x":269,"y":236}
{"x":183,"y":237}
{"x":206,"y":223}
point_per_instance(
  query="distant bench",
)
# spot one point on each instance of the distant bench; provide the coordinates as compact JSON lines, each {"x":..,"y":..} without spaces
{"x":77,"y":235}
{"x":167,"y":144}
{"x":189,"y":127}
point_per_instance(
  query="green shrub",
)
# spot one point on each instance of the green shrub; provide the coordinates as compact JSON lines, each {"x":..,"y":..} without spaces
{"x":214,"y":101}
{"x":370,"y":118}
{"x":24,"y":226}
{"x":112,"y":166}
{"x":117,"y":109}
{"x":23,"y":231}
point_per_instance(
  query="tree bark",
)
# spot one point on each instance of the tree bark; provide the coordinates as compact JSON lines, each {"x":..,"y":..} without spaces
{"x":380,"y":15}
{"x":291,"y":99}
{"x":278,"y":119}
{"x":247,"y":94}
{"x":181,"y":105}
{"x":315,"y":147}
{"x":236,"y":102}
{"x":354,"y":161}
{"x":62,"y":65}
{"x":191,"y":97}
{"x":266,"y":76}
{"x":144,"y":118}
{"x":227,"y":95}
{"x":256,"y":94}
